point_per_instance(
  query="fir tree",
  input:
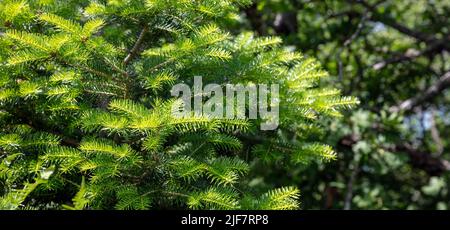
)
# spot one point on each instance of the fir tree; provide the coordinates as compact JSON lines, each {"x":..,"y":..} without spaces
{"x":85,"y":106}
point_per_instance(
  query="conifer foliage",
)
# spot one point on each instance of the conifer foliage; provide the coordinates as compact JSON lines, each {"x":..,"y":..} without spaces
{"x":85,"y":106}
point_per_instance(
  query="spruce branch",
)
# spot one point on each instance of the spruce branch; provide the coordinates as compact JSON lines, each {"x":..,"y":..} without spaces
{"x":71,"y":99}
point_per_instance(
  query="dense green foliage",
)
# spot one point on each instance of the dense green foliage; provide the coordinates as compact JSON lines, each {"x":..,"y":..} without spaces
{"x":394,"y":55}
{"x":85,"y":107}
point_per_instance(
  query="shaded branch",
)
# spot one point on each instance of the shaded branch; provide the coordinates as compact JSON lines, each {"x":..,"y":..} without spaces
{"x":358,"y":30}
{"x":409,"y":55}
{"x":392,"y":23}
{"x":389,"y":21}
{"x":433,"y":166}
{"x":86,"y":68}
{"x":435,"y":135}
{"x":348,"y":41}
{"x":433,"y":91}
{"x":351,"y":181}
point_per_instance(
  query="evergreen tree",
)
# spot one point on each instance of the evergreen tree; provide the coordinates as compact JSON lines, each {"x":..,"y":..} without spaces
{"x":86,"y":111}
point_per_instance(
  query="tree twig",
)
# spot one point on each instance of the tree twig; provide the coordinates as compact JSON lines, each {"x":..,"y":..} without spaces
{"x":429,"y":94}
{"x":389,"y":21}
{"x":351,"y":181}
{"x":410,"y":55}
{"x":358,"y":30}
{"x":433,"y":166}
{"x":133,"y":52}
{"x":348,"y":41}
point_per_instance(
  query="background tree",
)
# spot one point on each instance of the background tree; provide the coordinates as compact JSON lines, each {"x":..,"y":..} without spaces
{"x":393,"y":55}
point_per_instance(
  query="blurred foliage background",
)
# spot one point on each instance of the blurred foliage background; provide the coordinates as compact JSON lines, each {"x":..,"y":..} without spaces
{"x":394,"y":56}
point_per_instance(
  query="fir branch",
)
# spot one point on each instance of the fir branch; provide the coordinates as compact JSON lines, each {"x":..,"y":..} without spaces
{"x":137,"y":46}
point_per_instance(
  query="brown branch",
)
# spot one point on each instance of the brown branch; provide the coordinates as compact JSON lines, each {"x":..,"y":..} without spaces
{"x":349,"y":13}
{"x":36,"y":124}
{"x":116,"y":68}
{"x":93,"y":71}
{"x":403,"y":29}
{"x":409,"y":55}
{"x":134,"y":51}
{"x":433,"y":91}
{"x":389,"y":21}
{"x":433,"y":166}
{"x":435,"y":135}
{"x":156,"y":67}
{"x":392,"y":23}
{"x":351,"y":181}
